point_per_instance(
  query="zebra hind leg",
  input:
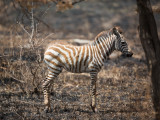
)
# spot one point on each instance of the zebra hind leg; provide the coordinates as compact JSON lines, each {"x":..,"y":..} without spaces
{"x":46,"y":89}
{"x":93,"y":91}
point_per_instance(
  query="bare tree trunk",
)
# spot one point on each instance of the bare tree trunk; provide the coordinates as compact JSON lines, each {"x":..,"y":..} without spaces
{"x":151,"y":45}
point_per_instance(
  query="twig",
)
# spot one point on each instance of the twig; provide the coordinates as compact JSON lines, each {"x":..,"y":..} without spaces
{"x":26,"y":12}
{"x":73,"y":3}
{"x":32,"y":28}
{"x":44,"y":39}
{"x":18,"y":81}
{"x":24,"y":28}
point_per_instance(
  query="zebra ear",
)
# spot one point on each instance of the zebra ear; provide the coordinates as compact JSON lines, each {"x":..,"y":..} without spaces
{"x":117,"y":30}
{"x":114,"y":30}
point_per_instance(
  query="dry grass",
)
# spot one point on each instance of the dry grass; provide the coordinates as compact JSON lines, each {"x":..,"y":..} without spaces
{"x":120,"y":95}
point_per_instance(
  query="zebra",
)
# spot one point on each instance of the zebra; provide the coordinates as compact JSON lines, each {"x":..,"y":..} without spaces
{"x":88,"y":58}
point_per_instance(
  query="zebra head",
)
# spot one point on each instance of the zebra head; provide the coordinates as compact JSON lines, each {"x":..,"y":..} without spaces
{"x":120,"y":43}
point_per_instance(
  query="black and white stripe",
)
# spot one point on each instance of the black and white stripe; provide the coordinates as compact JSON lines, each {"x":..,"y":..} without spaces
{"x":77,"y":59}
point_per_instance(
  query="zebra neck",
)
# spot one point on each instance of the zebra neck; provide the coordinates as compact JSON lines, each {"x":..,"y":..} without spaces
{"x":104,"y":47}
{"x":110,"y":45}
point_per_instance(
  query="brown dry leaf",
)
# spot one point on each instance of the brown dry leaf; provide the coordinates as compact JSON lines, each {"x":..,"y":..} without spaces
{"x":29,"y":4}
{"x":64,"y":5}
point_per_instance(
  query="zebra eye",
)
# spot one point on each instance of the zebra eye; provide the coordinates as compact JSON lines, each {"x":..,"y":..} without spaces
{"x":123,"y":42}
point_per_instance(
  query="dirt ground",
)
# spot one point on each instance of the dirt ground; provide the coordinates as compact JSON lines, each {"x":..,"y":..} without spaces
{"x":124,"y":90}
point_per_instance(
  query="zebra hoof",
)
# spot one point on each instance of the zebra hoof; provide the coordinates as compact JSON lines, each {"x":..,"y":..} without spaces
{"x":94,"y":109}
{"x":47,"y":110}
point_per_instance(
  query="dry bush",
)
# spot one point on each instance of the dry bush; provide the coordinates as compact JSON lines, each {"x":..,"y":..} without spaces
{"x":25,"y":68}
{"x":22,"y":59}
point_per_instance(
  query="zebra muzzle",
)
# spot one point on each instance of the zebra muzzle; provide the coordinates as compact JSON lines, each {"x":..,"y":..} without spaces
{"x":129,"y":54}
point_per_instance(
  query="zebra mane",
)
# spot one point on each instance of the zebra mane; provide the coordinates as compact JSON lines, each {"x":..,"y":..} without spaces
{"x":105,"y":34}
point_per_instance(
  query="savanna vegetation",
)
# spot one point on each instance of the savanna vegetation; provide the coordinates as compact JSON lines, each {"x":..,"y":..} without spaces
{"x":124,"y":85}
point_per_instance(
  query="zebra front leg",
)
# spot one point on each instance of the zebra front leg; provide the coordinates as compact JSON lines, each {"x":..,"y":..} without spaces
{"x":93,"y":91}
{"x":46,"y":87}
{"x":46,"y":90}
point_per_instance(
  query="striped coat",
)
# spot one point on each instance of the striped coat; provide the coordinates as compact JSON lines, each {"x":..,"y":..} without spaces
{"x":78,"y":59}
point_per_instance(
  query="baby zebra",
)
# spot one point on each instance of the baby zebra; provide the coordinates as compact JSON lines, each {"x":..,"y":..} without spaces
{"x":78,"y":59}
